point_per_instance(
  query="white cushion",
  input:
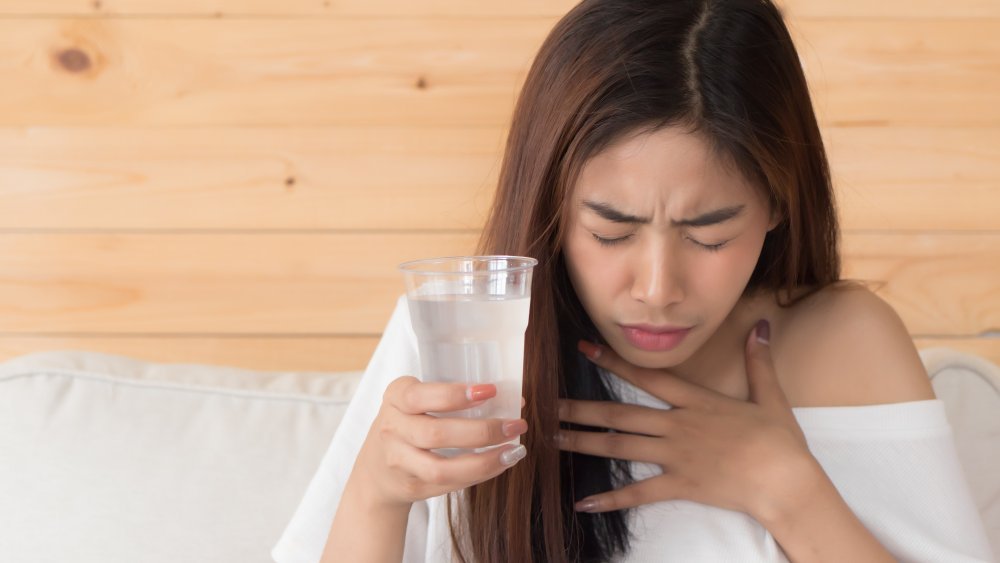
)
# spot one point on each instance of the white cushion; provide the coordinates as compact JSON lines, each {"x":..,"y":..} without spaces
{"x":109,"y":459}
{"x":969,"y":386}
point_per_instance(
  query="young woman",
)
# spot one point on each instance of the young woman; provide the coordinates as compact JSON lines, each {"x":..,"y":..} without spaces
{"x":700,"y":385}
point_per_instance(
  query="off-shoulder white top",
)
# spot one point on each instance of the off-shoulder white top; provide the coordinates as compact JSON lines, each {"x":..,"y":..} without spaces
{"x":894,"y":464}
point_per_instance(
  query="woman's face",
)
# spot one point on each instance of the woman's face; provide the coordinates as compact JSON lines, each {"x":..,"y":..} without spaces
{"x":661,"y":240}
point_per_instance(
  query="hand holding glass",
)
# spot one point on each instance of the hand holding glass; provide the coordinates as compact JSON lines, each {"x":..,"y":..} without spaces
{"x":470,"y":314}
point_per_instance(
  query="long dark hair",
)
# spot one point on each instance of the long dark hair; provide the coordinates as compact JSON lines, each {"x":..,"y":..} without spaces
{"x":726,"y":70}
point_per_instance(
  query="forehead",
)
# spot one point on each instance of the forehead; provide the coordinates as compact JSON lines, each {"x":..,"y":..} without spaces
{"x":666,"y":163}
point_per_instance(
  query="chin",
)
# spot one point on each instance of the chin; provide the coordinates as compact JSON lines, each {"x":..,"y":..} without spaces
{"x":652,"y":360}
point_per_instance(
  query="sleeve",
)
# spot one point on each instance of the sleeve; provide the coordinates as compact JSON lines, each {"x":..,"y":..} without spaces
{"x":897,"y":467}
{"x":305,"y":535}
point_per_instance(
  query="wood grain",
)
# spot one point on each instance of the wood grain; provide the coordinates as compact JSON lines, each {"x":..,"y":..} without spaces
{"x":409,"y":178}
{"x":427,"y":71}
{"x":870,"y":72}
{"x":290,"y":8}
{"x":102,"y":71}
{"x":248,"y":178}
{"x":943,"y":285}
{"x":916,"y":179}
{"x":232,"y":182}
{"x":395,"y":8}
{"x":208,"y":283}
{"x":278,"y":353}
{"x":889,"y":9}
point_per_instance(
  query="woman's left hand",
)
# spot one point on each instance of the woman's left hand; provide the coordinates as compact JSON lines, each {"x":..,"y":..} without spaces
{"x":749,"y":456}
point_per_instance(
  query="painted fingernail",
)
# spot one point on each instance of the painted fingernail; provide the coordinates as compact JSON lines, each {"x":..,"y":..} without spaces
{"x":586,"y":505}
{"x":592,"y":351}
{"x":513,"y":428}
{"x":510,"y":457}
{"x":763,"y":331}
{"x":480,"y":392}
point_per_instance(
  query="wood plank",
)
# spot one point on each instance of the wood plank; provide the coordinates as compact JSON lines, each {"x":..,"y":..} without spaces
{"x":248,"y":178}
{"x":889,"y":9}
{"x":961,"y":206}
{"x":453,"y":8}
{"x":253,"y":72}
{"x":327,"y":284}
{"x":444,"y":71}
{"x":943,"y":285}
{"x":866,"y":72}
{"x":279,"y":353}
{"x":916,"y":178}
{"x":988,"y":348}
{"x":72,"y":178}
{"x":286,"y":8}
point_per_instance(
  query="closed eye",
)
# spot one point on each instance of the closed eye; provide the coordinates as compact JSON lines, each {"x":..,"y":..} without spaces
{"x":610,"y":241}
{"x":615,"y":241}
{"x":710,"y":247}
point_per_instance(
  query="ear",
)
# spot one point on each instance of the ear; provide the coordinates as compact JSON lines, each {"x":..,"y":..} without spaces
{"x":776,"y":218}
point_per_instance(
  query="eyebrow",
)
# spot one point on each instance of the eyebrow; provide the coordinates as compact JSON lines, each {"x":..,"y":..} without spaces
{"x":705,"y":219}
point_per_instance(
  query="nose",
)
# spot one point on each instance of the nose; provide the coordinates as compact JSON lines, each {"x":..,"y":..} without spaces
{"x":658,"y":280}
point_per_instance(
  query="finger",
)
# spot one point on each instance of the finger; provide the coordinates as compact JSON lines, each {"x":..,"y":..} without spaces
{"x":619,"y":416}
{"x":523,"y":402}
{"x":412,"y":396}
{"x":659,"y":383}
{"x":761,"y":376}
{"x":430,"y":432}
{"x":659,"y":488}
{"x":450,"y":474}
{"x":614,"y":445}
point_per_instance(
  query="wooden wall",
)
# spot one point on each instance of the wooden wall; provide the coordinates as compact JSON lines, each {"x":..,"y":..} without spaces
{"x":234,"y":181}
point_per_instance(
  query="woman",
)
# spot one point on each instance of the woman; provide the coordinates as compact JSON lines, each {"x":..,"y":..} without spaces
{"x":665,"y":167}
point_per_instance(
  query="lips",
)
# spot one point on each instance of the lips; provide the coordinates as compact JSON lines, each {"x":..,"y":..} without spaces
{"x":654,"y":338}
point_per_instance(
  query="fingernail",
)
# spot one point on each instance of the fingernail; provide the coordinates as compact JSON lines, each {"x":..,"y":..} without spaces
{"x":586,"y":505}
{"x":513,"y":428}
{"x":480,"y":392}
{"x":563,"y":409}
{"x":592,"y":351}
{"x":510,"y":457}
{"x":763,"y":331}
{"x":559,"y":438}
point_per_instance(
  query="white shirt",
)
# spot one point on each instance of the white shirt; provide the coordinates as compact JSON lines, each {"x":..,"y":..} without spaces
{"x":894,"y":464}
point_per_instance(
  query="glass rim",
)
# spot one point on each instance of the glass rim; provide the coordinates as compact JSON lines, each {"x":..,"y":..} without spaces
{"x":412,"y":266}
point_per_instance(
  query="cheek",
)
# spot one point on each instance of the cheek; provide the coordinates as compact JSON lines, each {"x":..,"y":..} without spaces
{"x":728,"y":271}
{"x":593,"y":275}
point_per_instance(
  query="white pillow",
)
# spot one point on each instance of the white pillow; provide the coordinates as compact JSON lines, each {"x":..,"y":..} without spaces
{"x":969,"y":386}
{"x":107,"y":459}
{"x":110,"y":459}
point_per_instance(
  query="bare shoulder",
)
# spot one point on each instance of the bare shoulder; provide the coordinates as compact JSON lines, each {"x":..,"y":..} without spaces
{"x":845,"y":346}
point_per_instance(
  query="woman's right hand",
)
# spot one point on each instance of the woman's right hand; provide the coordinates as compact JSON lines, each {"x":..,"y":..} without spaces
{"x":396,"y":462}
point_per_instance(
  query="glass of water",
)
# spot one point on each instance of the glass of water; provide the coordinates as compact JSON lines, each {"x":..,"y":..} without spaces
{"x":469,"y":314}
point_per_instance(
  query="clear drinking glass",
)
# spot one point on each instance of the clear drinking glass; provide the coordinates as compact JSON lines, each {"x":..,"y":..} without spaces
{"x":469,"y":314}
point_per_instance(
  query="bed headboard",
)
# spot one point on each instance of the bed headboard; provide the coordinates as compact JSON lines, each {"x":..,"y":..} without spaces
{"x":237,"y":186}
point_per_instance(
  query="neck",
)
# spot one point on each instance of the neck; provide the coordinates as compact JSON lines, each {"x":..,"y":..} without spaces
{"x":719,"y":363}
